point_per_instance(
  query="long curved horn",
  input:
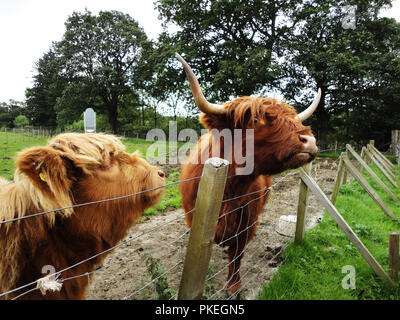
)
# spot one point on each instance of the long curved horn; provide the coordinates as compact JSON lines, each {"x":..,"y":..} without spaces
{"x":198,"y":96}
{"x":310,"y":110}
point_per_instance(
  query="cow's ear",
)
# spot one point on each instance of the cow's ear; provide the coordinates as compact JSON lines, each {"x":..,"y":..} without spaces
{"x":215,"y":121}
{"x":48,"y":170}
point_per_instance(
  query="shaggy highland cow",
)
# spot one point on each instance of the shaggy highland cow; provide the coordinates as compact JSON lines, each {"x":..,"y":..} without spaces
{"x":280,"y":142}
{"x":71,"y":169}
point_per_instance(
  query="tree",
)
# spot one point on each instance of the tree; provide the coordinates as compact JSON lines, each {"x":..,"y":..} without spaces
{"x":233,"y":43}
{"x":343,"y":62}
{"x":102,"y":57}
{"x":21,"y":121}
{"x":9,"y":111}
{"x":48,"y":85}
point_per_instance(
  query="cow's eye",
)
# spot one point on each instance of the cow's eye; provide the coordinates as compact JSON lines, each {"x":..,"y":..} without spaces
{"x":255,"y":120}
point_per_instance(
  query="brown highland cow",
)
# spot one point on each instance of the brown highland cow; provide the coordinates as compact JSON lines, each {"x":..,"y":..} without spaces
{"x":280,"y":142}
{"x":72,"y":169}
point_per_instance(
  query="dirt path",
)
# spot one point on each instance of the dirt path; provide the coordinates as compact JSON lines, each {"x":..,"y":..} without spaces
{"x":164,"y":237}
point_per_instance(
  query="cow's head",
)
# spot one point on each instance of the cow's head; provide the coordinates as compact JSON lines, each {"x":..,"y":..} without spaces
{"x":281,"y":141}
{"x":80,"y":168}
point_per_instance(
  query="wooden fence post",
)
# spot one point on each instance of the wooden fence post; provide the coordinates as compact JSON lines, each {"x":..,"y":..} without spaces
{"x":394,"y":256}
{"x":385,"y":161}
{"x":364,"y":183}
{"x":302,"y":208}
{"x":378,"y":164}
{"x":204,"y":224}
{"x":338,"y":181}
{"x":345,"y":169}
{"x":371,"y":172}
{"x":398,"y":163}
{"x":334,"y":213}
{"x":395,"y":145}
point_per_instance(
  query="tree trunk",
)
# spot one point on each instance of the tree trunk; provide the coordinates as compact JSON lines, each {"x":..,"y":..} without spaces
{"x":322,"y":123}
{"x":113,"y":114}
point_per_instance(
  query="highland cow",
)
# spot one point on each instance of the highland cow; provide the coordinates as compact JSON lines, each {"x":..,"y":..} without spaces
{"x":280,"y":142}
{"x":71,"y":169}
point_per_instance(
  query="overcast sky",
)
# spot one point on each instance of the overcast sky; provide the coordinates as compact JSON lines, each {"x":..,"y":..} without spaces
{"x":28,"y":27}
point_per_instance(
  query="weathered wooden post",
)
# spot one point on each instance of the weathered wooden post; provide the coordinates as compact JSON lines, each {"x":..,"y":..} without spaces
{"x":395,"y":145}
{"x":364,"y":183}
{"x":372,"y":156}
{"x":361,"y":168}
{"x":204,"y":224}
{"x":381,"y":157}
{"x":371,"y":172}
{"x":394,"y":256}
{"x":338,"y":180}
{"x":334,"y":213}
{"x":345,"y":169}
{"x":302,"y":208}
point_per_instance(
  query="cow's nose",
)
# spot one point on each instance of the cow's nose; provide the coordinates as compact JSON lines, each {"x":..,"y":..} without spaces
{"x":309,"y":144}
{"x":161,"y":173}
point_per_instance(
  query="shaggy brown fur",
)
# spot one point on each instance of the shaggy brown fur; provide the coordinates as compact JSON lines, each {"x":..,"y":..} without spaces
{"x":277,"y":147}
{"x":71,"y":169}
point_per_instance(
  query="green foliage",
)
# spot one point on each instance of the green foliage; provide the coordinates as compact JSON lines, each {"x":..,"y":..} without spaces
{"x":106,"y":62}
{"x":224,"y":40}
{"x":9,"y":111}
{"x":160,"y":282}
{"x":48,"y":86}
{"x":97,"y":64}
{"x":348,"y":64}
{"x":76,"y":126}
{"x":21,"y":121}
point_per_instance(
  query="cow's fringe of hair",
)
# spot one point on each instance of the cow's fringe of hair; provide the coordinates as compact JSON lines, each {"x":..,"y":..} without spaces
{"x":245,"y":109}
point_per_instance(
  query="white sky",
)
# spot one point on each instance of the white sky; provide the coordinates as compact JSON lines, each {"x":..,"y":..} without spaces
{"x":28,"y":27}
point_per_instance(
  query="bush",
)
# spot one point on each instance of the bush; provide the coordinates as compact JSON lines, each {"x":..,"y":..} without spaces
{"x":76,"y":126}
{"x":21,"y":121}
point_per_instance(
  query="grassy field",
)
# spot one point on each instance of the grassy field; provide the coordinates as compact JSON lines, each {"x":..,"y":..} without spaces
{"x":314,"y":270}
{"x":10,"y":145}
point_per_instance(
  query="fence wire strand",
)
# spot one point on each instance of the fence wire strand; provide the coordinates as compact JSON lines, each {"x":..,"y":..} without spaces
{"x":100,"y":253}
{"x":263,"y":191}
{"x":98,"y":201}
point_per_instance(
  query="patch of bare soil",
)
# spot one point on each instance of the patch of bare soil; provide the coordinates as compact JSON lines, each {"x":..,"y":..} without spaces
{"x":164,"y":238}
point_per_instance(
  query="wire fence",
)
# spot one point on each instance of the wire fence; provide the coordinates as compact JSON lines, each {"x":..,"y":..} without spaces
{"x":163,"y":263}
{"x":168,"y":254}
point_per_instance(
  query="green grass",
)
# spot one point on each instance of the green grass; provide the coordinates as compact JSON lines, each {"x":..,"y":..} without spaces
{"x":329,"y":154}
{"x":10,"y":147}
{"x":314,"y":270}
